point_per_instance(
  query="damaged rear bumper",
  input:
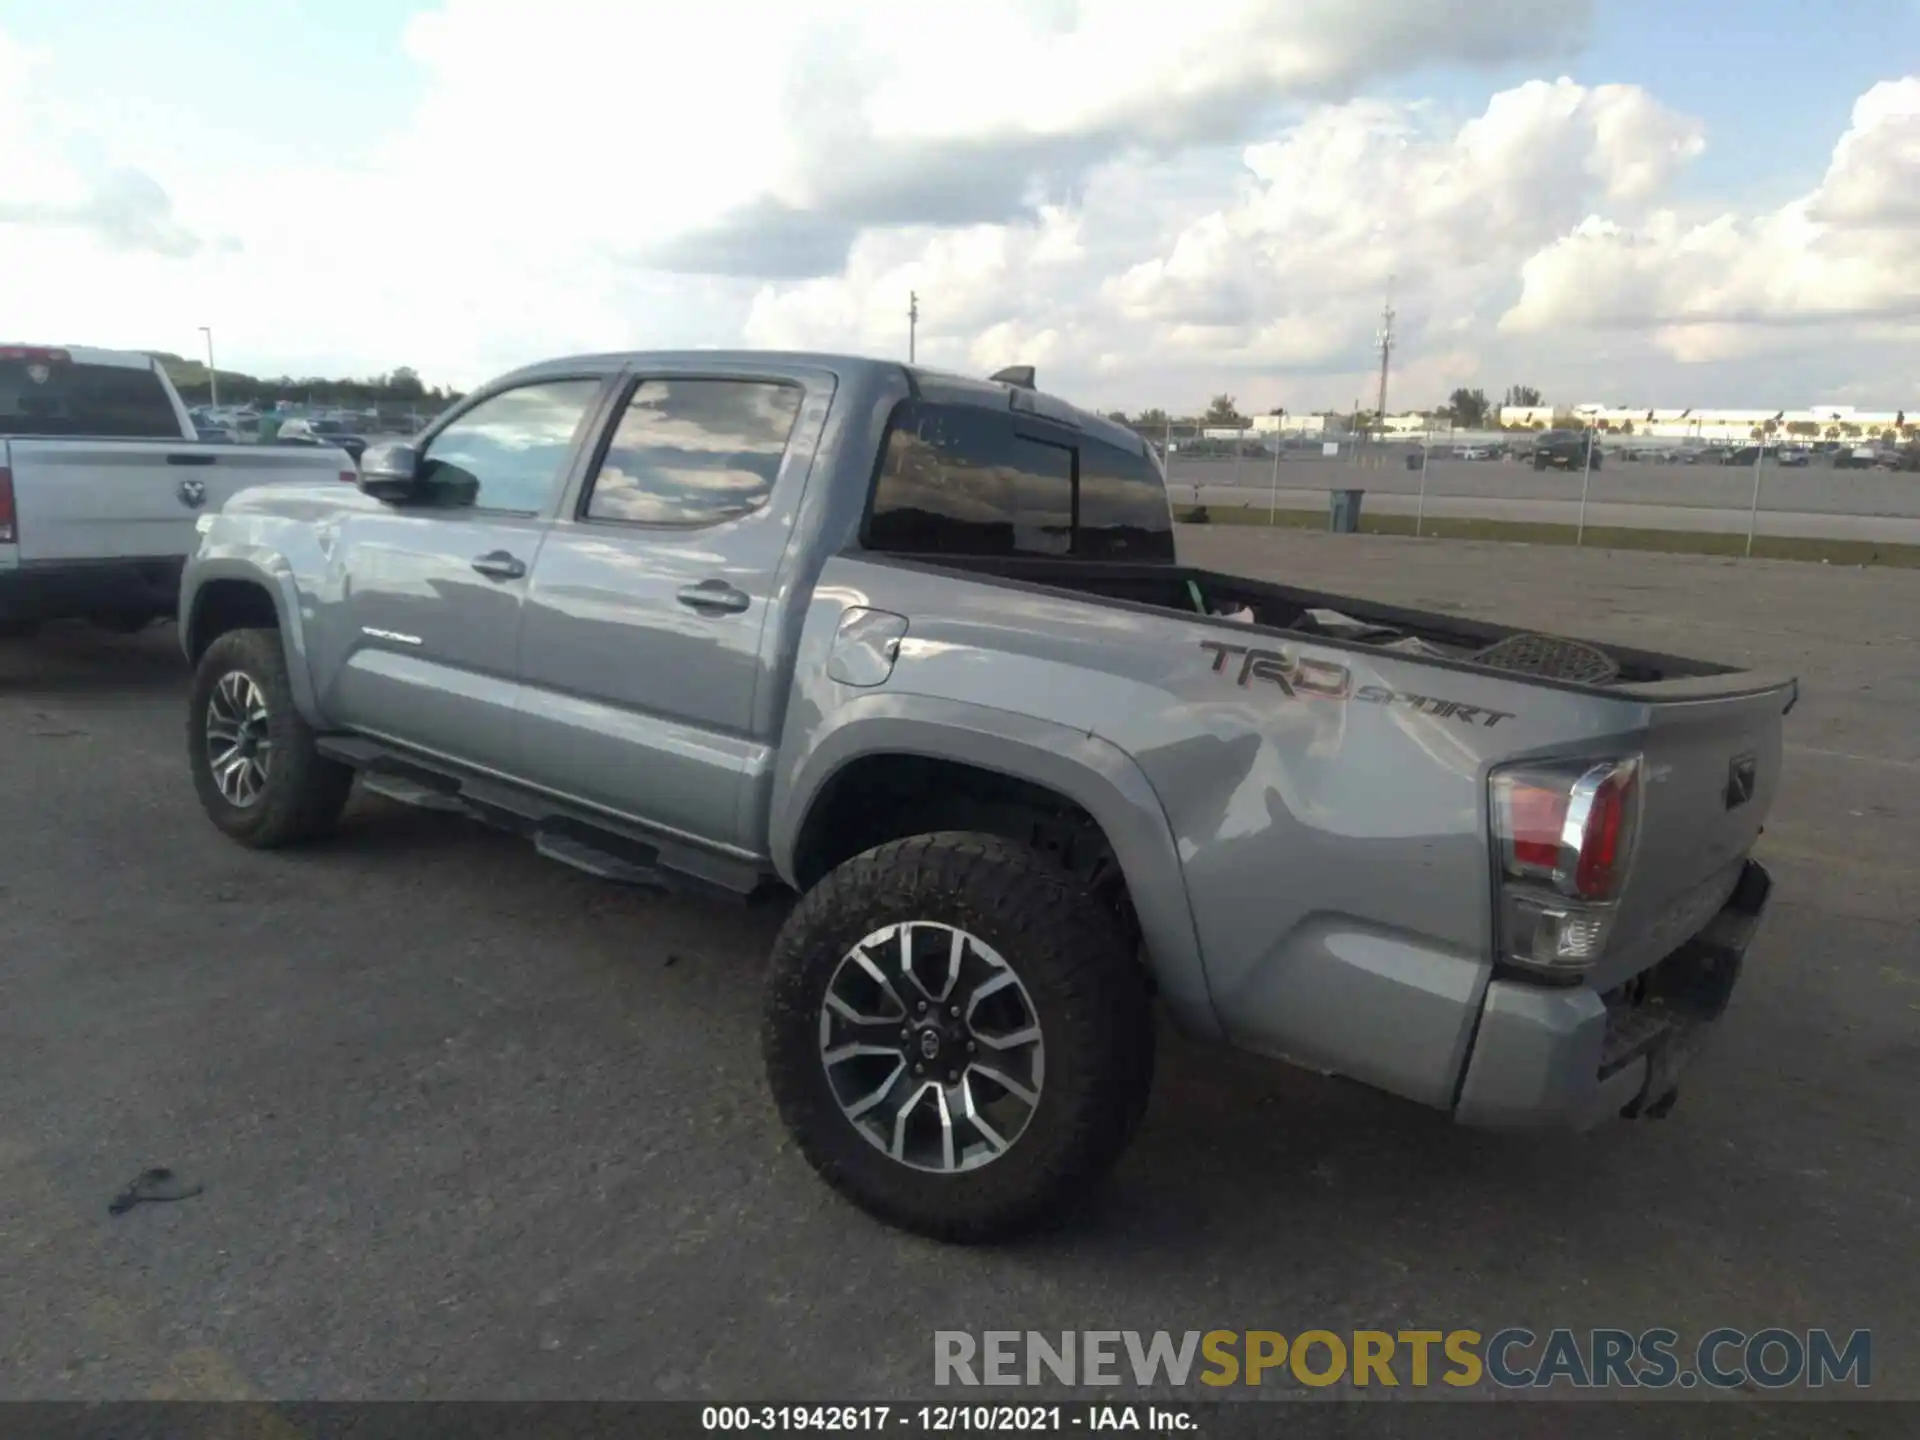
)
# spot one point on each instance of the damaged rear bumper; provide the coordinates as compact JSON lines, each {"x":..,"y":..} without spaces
{"x":1574,"y":1057}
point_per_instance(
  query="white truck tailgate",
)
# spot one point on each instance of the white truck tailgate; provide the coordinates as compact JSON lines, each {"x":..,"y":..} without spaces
{"x":135,"y":499}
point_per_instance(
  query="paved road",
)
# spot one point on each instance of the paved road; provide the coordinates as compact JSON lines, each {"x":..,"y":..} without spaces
{"x":471,"y":1124}
{"x":1815,"y":490}
{"x":1886,"y":529}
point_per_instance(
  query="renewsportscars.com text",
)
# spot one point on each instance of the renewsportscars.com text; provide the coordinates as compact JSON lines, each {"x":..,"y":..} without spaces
{"x":1509,"y":1359}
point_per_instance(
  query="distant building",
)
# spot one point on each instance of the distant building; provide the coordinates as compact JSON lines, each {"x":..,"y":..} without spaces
{"x":1706,"y":422}
{"x":1299,"y":425}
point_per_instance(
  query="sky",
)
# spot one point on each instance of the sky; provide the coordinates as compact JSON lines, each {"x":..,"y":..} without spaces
{"x":1614,"y":201}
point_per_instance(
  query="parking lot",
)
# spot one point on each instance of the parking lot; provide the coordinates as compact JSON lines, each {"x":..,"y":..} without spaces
{"x":470,"y":1124}
{"x":1814,"y":502}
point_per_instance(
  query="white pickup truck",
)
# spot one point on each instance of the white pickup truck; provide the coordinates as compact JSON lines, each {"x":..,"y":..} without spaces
{"x":102,"y":479}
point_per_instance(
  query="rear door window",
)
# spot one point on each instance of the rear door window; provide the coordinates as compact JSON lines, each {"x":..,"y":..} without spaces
{"x":65,"y":398}
{"x":694,"y":451}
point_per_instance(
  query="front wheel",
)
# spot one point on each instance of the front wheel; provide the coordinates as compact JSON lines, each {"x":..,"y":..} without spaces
{"x":958,"y":1035}
{"x":255,"y":765}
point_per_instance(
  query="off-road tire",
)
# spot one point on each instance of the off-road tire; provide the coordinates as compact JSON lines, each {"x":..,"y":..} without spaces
{"x":1078,"y":964}
{"x":304,"y":792}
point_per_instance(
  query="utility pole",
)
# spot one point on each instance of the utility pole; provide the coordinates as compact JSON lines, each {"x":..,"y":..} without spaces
{"x":913,"y":323}
{"x":213,"y":376}
{"x":1386,"y":349}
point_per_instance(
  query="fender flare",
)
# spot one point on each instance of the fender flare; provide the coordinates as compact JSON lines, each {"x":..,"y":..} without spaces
{"x":1091,"y":772}
{"x":272,"y":574}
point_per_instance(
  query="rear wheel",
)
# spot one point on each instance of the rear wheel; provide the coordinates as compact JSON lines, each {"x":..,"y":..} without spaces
{"x":256,"y":768}
{"x":957,"y":1034}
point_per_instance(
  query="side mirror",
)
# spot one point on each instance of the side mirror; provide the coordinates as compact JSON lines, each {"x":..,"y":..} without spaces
{"x":390,"y":471}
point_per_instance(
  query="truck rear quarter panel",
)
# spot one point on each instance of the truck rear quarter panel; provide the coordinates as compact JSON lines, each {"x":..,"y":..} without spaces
{"x":1325,"y":806}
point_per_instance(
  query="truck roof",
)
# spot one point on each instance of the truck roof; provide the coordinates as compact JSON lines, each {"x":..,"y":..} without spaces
{"x":937,"y":385}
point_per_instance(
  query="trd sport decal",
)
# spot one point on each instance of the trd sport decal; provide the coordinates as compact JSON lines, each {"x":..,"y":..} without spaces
{"x":1324,"y":680}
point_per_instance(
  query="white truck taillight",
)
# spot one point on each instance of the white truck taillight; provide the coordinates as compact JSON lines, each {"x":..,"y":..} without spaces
{"x":1563,"y":836}
{"x":9,"y":531}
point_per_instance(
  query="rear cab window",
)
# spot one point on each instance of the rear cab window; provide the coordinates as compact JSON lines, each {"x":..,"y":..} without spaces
{"x":62,"y":397}
{"x":959,"y":479}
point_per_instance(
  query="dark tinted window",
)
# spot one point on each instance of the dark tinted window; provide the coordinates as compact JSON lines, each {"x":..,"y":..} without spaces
{"x":509,"y":451}
{"x":1123,"y":506}
{"x":59,"y":397}
{"x":958,"y":480}
{"x":695,"y":452}
{"x":964,"y":480}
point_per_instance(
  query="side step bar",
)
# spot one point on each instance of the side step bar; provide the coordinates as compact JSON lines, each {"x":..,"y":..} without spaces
{"x":599,"y":845}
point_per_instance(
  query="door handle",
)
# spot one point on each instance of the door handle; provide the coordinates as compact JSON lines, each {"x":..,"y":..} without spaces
{"x":714,"y":597}
{"x":499,"y":565}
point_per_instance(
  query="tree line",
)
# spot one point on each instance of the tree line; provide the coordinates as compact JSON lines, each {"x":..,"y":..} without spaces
{"x":398,"y":388}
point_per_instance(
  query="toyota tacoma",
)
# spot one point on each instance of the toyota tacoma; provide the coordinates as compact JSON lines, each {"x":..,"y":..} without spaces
{"x":920,"y":650}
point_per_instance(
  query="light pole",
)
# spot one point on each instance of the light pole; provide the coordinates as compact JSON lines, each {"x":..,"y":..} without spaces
{"x":1420,"y":511}
{"x":913,"y":324}
{"x":1753,"y":510}
{"x":1273,"y":486}
{"x":1586,"y":475}
{"x":213,"y":376}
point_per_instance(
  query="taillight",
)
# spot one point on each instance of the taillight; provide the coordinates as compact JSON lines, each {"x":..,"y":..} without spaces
{"x":348,"y":477}
{"x":9,"y":526}
{"x":1563,"y":835}
{"x":1531,"y":819}
{"x":35,"y":354}
{"x":1602,"y":806}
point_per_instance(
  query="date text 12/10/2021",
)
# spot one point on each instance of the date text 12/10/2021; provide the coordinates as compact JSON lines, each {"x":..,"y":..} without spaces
{"x":947,"y":1419}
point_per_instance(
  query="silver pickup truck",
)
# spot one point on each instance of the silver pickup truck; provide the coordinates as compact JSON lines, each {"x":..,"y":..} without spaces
{"x":920,"y":649}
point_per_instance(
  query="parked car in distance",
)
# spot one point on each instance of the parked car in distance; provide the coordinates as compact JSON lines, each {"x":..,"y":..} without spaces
{"x":1567,"y":450}
{"x":919,"y":648}
{"x":322,"y":432}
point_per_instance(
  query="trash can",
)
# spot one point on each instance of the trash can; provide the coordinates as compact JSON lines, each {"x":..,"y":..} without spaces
{"x":1416,"y":460}
{"x":1343,"y":511}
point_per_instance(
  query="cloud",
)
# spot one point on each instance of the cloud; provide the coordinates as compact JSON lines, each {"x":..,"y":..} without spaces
{"x":1846,"y":254}
{"x":737,"y":137}
{"x":1149,"y":212}
{"x":47,"y":178}
{"x":1288,"y":269}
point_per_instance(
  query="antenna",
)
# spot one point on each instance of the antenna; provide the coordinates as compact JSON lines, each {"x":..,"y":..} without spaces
{"x":913,"y":323}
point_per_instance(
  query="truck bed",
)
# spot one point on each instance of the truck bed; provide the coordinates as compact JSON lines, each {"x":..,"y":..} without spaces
{"x":1318,"y":616}
{"x":1324,"y":768}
